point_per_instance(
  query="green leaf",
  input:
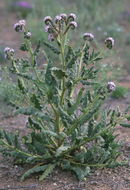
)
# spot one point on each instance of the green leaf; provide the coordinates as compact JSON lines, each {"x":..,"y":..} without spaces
{"x":23,"y":47}
{"x":22,"y":86}
{"x":26,"y":76}
{"x":54,"y":50}
{"x":69,"y":54}
{"x":8,"y":137}
{"x":33,"y":124}
{"x":61,"y":150}
{"x":66,"y":119}
{"x":36,"y":51}
{"x":35,"y":100}
{"x":48,"y":170}
{"x":128,"y":118}
{"x":33,"y":170}
{"x":77,"y":102}
{"x":125,"y":125}
{"x":26,"y":111}
{"x":72,"y":61}
{"x":59,"y":73}
{"x":81,"y":172}
{"x":50,"y":133}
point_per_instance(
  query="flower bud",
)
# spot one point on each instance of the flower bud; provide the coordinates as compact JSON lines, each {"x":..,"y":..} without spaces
{"x":9,"y":52}
{"x":51,"y":37}
{"x":111,"y":86}
{"x":48,"y":29}
{"x":6,"y":49}
{"x":22,"y":22}
{"x":63,"y":16}
{"x":109,"y":42}
{"x":27,"y":35}
{"x":57,"y":19}
{"x":19,"y":26}
{"x":73,"y":25}
{"x":72,"y":17}
{"x":88,"y":36}
{"x":47,"y":20}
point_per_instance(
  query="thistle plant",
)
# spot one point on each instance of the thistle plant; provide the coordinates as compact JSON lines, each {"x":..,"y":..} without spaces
{"x":68,"y":125}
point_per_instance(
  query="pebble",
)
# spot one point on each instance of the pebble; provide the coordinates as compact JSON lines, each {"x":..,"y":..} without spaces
{"x":93,"y":182}
{"x":55,"y":184}
{"x":127,"y":178}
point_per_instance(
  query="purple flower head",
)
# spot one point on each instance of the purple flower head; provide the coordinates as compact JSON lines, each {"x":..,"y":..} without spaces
{"x":47,"y":20}
{"x":88,"y":36}
{"x":48,"y":29}
{"x":109,"y":42}
{"x":9,"y":52}
{"x":6,"y":49}
{"x":58,"y":18}
{"x":111,"y":86}
{"x":51,"y":37}
{"x":73,"y":25}
{"x":19,"y":26}
{"x":24,"y":4}
{"x":72,"y":17}
{"x":28,"y":35}
{"x":63,"y":16}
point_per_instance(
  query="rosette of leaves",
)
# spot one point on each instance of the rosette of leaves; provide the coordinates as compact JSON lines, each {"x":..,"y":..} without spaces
{"x":69,"y":127}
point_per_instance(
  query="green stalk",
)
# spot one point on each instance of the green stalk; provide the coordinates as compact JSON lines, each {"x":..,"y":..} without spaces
{"x":89,"y":107}
{"x":17,"y":71}
{"x":62,"y":49}
{"x":32,"y":59}
{"x":20,"y":151}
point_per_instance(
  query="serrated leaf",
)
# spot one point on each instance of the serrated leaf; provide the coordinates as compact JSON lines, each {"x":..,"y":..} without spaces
{"x":21,"y":86}
{"x":33,"y":170}
{"x":35,"y":100}
{"x":125,"y":125}
{"x":48,"y":170}
{"x":51,"y":47}
{"x":81,"y":172}
{"x":26,"y":111}
{"x":66,"y":119}
{"x":59,"y":73}
{"x":33,"y":124}
{"x":77,"y":102}
{"x":61,"y":149}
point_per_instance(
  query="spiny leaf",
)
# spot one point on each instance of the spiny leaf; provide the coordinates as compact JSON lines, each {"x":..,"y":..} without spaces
{"x":81,"y":172}
{"x":48,"y":170}
{"x":33,"y":124}
{"x":33,"y":170}
{"x":36,"y":51}
{"x":77,"y":102}
{"x":21,"y":86}
{"x":66,"y":119}
{"x":26,"y":111}
{"x":125,"y":125}
{"x":61,"y":149}
{"x":59,"y":73}
{"x":36,"y":101}
{"x":69,"y":54}
{"x":55,"y":50}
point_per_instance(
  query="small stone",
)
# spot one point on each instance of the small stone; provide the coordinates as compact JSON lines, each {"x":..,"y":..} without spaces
{"x":55,"y":184}
{"x":94,"y":183}
{"x":126,"y":178}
